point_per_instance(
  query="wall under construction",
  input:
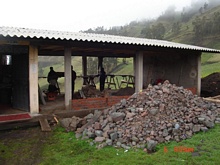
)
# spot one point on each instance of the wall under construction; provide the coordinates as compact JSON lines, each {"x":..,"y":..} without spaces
{"x":180,"y":68}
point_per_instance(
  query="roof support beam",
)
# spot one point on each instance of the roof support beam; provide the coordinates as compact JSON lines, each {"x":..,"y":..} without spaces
{"x":33,"y":79}
{"x":199,"y":74}
{"x":68,"y":78}
{"x":138,"y":62}
{"x":84,"y":65}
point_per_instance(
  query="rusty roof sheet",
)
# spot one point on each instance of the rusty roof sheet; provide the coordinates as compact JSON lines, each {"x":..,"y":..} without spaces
{"x":80,"y":36}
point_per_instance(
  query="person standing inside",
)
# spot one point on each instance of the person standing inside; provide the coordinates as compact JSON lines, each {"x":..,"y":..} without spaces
{"x":52,"y":78}
{"x":102,"y":79}
{"x":73,"y":80}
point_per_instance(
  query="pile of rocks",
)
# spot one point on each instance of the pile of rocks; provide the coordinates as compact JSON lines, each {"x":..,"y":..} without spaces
{"x":91,"y":91}
{"x":158,"y":114}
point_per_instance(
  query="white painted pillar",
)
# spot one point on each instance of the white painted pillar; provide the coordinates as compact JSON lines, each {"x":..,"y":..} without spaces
{"x":199,"y":75}
{"x":68,"y":79}
{"x":84,"y":65}
{"x":33,"y":79}
{"x":138,"y":62}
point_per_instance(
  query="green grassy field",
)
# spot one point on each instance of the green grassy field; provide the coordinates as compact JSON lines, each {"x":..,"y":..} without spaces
{"x":66,"y":149}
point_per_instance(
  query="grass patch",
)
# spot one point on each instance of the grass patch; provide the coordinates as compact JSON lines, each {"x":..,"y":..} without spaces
{"x":65,"y":149}
{"x":210,"y":68}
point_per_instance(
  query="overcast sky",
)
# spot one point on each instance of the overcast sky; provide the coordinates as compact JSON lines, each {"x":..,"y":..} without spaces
{"x":76,"y":15}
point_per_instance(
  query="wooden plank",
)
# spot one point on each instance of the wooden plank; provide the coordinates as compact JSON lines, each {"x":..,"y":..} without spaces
{"x":215,"y":97}
{"x":44,"y":124}
{"x":212,"y":100}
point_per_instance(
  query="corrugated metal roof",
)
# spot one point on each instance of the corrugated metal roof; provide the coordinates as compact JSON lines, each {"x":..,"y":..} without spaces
{"x":62,"y":35}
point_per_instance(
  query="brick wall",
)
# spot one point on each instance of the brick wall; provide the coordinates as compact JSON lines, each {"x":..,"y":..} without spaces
{"x":96,"y":103}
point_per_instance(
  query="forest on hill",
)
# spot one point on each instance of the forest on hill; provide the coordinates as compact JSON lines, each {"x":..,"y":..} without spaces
{"x":192,"y":25}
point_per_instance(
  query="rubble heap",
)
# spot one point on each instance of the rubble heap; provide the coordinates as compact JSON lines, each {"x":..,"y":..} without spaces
{"x":158,"y":114}
{"x":91,"y":91}
{"x":210,"y":85}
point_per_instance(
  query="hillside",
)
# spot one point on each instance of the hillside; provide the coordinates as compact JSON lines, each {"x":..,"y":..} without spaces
{"x":190,"y":26}
{"x":196,"y":27}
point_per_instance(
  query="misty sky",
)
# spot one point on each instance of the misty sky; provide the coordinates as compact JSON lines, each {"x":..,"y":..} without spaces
{"x":76,"y":15}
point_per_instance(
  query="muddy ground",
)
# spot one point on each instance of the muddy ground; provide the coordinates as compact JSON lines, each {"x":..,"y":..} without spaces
{"x":22,"y":146}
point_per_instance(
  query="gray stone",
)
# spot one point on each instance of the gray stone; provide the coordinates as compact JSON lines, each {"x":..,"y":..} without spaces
{"x":177,"y":126}
{"x":151,"y":145}
{"x":153,"y":111}
{"x":127,"y":148}
{"x":204,"y":129}
{"x":78,"y":135}
{"x":110,"y":119}
{"x":123,"y":102}
{"x":106,"y":128}
{"x":114,"y":136}
{"x":109,"y":142}
{"x":99,"y":139}
{"x":97,"y":126}
{"x":176,"y":138}
{"x":85,"y":132}
{"x":196,"y":128}
{"x":98,"y":133}
{"x":165,"y":132}
{"x":134,"y":138}
{"x":89,"y":116}
{"x":118,"y":144}
{"x":130,"y":114}
{"x":209,"y":124}
{"x":65,"y":122}
{"x":117,"y":116}
{"x":167,"y":138}
{"x":201,"y":119}
{"x":133,"y":143}
{"x":217,"y":122}
{"x":189,"y":134}
{"x":85,"y":137}
{"x":90,"y":134}
{"x":169,"y":125}
{"x":123,"y":146}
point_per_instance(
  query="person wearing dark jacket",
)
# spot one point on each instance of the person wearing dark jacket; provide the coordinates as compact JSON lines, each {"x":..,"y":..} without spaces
{"x":102,"y":79}
{"x":73,"y":80}
{"x":52,"y":78}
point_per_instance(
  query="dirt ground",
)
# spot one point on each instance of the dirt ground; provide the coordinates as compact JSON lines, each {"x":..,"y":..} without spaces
{"x":22,"y":146}
{"x":210,"y":85}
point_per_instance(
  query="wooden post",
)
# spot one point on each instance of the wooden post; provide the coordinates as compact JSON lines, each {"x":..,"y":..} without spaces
{"x":33,"y":79}
{"x":138,"y":62}
{"x":199,"y":75}
{"x":68,"y":79}
{"x":84,"y":65}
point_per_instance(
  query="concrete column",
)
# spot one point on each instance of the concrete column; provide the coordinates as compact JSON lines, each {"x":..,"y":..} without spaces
{"x":68,"y":79}
{"x":33,"y":79}
{"x":84,"y":65}
{"x":134,"y":61}
{"x":199,"y":75}
{"x":138,"y":62}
